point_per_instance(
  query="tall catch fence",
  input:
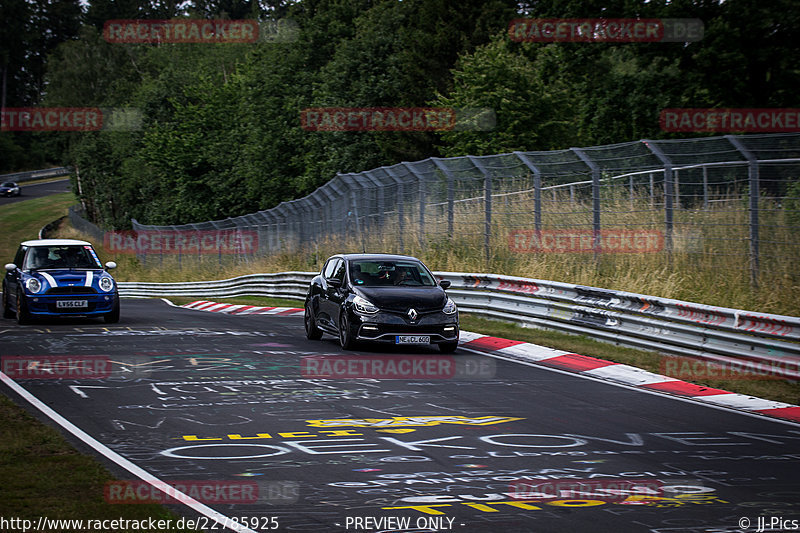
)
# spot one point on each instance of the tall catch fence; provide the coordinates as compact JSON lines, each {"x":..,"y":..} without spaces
{"x":726,"y":202}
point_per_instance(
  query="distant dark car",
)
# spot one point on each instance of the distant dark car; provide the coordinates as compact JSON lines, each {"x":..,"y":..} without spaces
{"x":9,"y":188}
{"x":59,"y":277}
{"x":381,"y":298}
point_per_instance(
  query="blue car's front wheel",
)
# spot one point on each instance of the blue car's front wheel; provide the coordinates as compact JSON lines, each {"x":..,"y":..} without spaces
{"x":112,"y":317}
{"x":23,"y":316}
{"x":7,"y":312}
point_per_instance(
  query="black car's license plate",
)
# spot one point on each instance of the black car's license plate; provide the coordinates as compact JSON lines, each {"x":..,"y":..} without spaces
{"x":71,"y":304}
{"x":412,"y":339}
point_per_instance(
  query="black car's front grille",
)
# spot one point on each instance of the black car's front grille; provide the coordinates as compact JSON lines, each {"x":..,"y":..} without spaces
{"x":76,"y":289}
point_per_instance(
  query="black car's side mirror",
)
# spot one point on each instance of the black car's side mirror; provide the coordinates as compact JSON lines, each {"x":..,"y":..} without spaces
{"x":445,"y":284}
{"x":334,"y":282}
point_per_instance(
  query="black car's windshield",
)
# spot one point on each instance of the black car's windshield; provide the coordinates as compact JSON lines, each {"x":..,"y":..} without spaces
{"x":378,"y":273}
{"x":8,"y":184}
{"x":62,"y":256}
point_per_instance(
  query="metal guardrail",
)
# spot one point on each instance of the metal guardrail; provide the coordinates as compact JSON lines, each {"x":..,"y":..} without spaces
{"x":770,"y":342}
{"x":280,"y":285}
{"x":21,"y":177}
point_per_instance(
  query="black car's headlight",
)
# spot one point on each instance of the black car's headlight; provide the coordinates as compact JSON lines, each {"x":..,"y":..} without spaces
{"x":364,"y":306}
{"x":450,"y":307}
{"x":33,"y":285}
{"x":106,"y":284}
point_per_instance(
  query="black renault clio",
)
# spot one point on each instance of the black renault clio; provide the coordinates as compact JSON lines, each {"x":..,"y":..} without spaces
{"x":381,"y":298}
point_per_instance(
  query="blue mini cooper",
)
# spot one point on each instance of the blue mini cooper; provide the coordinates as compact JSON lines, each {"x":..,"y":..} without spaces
{"x":59,"y":277}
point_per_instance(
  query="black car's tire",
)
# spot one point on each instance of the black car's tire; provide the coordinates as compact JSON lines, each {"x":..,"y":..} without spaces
{"x":112,"y":317}
{"x":23,"y":316}
{"x":448,"y":347}
{"x":7,"y":312}
{"x":312,"y":331}
{"x":345,"y":336}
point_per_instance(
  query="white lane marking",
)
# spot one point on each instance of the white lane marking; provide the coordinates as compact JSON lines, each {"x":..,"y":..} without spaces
{"x":137,"y":471}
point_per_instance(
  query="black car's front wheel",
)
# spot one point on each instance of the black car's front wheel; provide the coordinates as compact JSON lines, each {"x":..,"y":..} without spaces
{"x":312,"y":331}
{"x":345,"y":335}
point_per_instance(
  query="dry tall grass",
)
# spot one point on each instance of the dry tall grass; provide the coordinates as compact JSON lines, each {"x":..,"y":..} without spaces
{"x":709,"y":262}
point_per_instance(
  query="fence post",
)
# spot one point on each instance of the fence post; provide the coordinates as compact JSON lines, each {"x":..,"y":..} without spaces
{"x":537,"y":191}
{"x":754,"y":190}
{"x":705,"y":187}
{"x":421,"y":192}
{"x":595,"y":198}
{"x":400,"y":201}
{"x":668,"y":194}
{"x":450,"y":193}
{"x":487,"y":205}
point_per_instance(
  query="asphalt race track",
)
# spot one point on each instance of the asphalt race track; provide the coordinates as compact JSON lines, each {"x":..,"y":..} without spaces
{"x":38,"y":190}
{"x":467,"y":443}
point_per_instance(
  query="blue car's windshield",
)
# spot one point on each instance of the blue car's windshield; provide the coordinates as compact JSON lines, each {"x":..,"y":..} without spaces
{"x":374,"y":273}
{"x":63,"y":256}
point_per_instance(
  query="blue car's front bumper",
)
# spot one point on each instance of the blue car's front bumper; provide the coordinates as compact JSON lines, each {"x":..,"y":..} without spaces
{"x":47,"y":305}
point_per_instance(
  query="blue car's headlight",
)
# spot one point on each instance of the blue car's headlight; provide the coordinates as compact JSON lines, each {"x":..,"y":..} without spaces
{"x":449,"y":307}
{"x":33,"y":285}
{"x":106,"y":284}
{"x":364,"y":306}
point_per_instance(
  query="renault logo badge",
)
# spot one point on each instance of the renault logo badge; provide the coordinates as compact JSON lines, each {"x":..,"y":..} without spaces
{"x":412,"y":314}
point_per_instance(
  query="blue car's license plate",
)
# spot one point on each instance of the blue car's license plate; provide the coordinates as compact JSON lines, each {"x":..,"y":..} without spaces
{"x":71,"y":304}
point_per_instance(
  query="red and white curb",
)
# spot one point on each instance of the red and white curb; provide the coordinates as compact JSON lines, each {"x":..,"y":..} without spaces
{"x":231,"y":309}
{"x":570,"y":362}
{"x":626,"y":374}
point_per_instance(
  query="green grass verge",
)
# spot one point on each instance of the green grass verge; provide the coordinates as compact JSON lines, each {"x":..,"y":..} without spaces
{"x":43,"y":475}
{"x":22,"y":221}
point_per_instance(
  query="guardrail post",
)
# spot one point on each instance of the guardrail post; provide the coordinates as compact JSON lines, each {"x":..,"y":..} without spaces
{"x":754,"y":191}
{"x":595,"y":199}
{"x":705,"y":187}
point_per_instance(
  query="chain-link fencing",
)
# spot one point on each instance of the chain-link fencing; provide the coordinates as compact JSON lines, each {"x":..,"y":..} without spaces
{"x":729,"y":202}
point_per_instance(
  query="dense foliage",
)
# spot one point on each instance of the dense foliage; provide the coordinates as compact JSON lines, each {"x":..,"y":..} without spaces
{"x":221,"y":136}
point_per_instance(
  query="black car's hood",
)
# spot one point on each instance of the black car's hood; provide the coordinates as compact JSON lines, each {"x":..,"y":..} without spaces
{"x":402,"y":298}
